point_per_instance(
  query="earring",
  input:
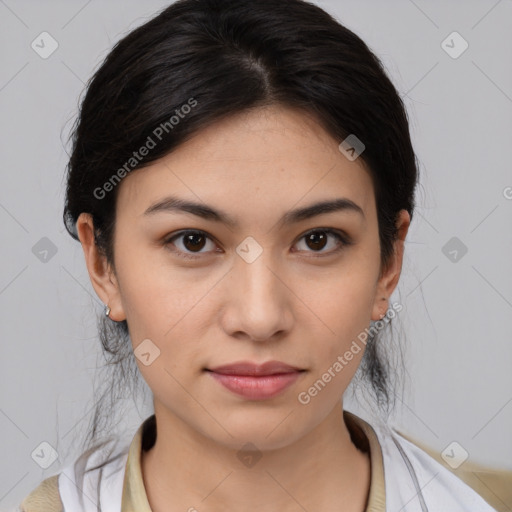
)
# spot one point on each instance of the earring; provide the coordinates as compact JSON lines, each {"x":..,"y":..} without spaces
{"x":107,"y":310}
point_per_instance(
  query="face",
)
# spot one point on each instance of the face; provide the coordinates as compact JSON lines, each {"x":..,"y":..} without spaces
{"x":199,"y":292}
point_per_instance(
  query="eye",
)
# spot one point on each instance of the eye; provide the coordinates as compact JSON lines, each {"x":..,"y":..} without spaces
{"x":318,"y":239}
{"x":192,"y":241}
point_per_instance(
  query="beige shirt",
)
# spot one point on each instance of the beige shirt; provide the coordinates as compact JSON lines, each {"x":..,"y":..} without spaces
{"x":494,"y":486}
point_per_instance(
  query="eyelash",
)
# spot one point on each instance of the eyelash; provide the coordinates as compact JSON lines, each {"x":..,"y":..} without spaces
{"x":343,"y":240}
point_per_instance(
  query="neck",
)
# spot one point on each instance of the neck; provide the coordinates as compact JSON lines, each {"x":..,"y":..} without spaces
{"x":323,"y":470}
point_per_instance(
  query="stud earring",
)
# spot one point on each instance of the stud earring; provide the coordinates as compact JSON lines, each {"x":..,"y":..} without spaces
{"x":107,"y":310}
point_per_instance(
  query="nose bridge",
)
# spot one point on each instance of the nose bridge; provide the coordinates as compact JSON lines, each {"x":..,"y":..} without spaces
{"x":253,"y":266}
{"x":259,"y":300}
{"x":257,"y":279}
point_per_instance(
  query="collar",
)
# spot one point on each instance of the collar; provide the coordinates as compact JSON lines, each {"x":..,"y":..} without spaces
{"x":134,"y":497}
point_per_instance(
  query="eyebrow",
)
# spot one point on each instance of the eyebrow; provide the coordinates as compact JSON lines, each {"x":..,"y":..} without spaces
{"x":173,"y":204}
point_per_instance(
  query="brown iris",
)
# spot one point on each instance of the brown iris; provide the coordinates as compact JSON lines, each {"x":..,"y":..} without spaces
{"x":193,"y":241}
{"x":316,"y":240}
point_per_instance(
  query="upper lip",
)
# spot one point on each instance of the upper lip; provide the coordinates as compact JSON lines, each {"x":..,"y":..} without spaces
{"x":249,"y":368}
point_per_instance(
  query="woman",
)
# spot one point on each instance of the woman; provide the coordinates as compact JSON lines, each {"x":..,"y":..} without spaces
{"x":242,"y":183}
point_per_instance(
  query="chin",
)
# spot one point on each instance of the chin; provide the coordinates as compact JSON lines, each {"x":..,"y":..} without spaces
{"x":266,"y":430}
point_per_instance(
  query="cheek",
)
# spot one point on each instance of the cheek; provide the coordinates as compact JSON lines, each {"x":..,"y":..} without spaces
{"x":342,"y":307}
{"x":153,"y":298}
{"x":166,"y":305}
{"x":342,"y":302}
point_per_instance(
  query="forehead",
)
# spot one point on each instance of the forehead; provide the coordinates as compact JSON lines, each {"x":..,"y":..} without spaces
{"x":260,"y":160}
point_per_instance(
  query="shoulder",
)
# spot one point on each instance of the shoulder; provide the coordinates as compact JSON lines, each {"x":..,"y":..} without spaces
{"x":44,"y":498}
{"x":469,"y":482}
{"x":95,"y":476}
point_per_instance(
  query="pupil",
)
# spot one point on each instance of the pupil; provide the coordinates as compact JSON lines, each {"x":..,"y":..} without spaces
{"x":191,"y":239}
{"x":315,"y":238}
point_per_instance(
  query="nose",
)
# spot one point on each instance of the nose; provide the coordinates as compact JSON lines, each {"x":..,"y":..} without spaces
{"x":258,"y":304}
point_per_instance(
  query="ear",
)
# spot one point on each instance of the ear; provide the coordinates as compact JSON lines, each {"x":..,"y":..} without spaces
{"x":391,"y":274}
{"x":103,"y":278}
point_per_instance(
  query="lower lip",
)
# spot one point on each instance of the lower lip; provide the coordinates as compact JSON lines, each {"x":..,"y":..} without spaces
{"x":256,"y":388}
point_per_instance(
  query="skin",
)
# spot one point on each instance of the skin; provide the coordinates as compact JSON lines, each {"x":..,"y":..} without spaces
{"x":289,"y":305}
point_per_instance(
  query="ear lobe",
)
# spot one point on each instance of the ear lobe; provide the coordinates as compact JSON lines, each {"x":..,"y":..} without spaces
{"x":102,"y":277}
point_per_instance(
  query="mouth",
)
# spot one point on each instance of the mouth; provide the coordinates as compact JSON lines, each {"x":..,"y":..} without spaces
{"x":256,"y":381}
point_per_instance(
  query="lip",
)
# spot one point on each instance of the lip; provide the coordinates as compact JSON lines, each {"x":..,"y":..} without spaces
{"x":249,"y":368}
{"x":256,"y":381}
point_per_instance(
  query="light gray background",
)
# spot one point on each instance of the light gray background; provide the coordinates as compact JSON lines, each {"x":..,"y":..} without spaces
{"x":456,"y":316}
